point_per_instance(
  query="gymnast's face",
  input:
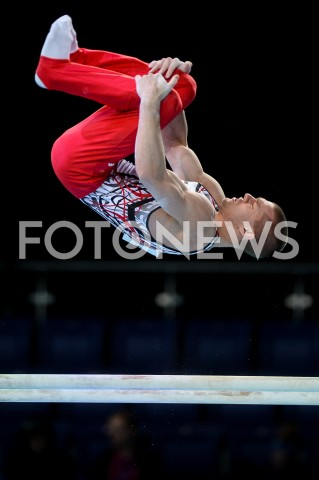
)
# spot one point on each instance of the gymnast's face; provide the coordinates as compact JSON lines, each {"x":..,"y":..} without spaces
{"x":246,"y":208}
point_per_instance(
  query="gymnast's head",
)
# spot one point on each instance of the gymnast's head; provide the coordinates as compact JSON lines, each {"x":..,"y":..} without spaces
{"x":254,"y":225}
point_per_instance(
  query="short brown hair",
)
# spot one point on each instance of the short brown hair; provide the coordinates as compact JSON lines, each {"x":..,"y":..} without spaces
{"x":272,"y":243}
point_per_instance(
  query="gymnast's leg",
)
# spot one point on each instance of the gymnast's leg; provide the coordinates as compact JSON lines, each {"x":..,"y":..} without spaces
{"x":84,"y":155}
{"x":105,"y":77}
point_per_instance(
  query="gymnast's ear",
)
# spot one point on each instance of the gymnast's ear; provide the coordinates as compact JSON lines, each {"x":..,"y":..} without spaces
{"x":247,"y":232}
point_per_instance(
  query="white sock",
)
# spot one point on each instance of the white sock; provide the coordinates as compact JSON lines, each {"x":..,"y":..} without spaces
{"x":59,"y":43}
{"x":61,"y":39}
{"x":38,"y":81}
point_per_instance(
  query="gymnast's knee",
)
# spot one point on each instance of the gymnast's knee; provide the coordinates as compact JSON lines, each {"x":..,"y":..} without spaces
{"x":187,"y":88}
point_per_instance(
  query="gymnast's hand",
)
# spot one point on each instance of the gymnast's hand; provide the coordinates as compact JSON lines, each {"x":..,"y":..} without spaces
{"x":168,"y":65}
{"x":153,"y":88}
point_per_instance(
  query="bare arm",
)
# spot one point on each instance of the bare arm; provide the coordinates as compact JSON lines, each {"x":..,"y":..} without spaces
{"x":184,"y":160}
{"x":166,"y":187}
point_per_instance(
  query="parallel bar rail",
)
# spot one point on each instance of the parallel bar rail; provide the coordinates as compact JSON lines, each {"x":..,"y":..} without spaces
{"x":196,"y":389}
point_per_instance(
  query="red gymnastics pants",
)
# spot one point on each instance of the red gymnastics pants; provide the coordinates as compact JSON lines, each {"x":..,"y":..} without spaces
{"x":84,"y":155}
